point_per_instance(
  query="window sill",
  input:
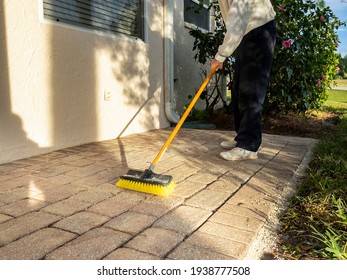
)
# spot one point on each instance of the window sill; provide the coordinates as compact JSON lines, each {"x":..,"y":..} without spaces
{"x":192,"y":26}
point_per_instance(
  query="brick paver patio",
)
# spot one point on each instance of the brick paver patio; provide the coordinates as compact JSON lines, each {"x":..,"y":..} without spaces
{"x":65,"y":205}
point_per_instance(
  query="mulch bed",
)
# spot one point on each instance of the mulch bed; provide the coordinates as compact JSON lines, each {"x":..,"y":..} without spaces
{"x":316,"y":124}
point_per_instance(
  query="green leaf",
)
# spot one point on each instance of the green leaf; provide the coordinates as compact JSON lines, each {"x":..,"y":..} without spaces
{"x":289,"y":73}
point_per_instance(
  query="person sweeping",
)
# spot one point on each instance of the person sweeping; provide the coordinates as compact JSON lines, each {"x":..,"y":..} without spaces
{"x":250,"y":28}
{"x":251,"y":32}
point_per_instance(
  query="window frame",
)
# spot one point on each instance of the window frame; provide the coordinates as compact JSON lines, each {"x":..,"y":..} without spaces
{"x":105,"y":32}
{"x":191,"y":25}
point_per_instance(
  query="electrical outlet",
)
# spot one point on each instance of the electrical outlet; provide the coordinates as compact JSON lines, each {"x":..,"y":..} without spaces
{"x":107,"y":95}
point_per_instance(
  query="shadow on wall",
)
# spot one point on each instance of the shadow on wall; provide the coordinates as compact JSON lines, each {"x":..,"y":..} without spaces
{"x":75,"y":74}
{"x":73,"y":87}
{"x":77,"y":83}
{"x":138,"y":67}
{"x":11,"y":125}
{"x":132,"y":66}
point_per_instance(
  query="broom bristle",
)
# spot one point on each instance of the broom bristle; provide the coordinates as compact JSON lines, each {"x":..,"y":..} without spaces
{"x":147,"y":187}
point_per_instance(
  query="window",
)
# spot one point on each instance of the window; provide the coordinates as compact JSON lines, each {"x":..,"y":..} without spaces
{"x":114,"y":16}
{"x":200,"y":19}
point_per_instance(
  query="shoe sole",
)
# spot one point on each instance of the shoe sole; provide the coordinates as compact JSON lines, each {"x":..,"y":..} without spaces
{"x":232,"y":146}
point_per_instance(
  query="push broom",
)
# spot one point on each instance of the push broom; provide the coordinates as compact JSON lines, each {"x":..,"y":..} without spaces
{"x":149,"y":182}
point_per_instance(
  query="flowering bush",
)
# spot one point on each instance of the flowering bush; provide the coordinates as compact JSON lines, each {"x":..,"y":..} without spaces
{"x":305,"y":57}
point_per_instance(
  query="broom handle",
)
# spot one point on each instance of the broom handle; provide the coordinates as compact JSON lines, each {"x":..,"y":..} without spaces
{"x":183,"y":118}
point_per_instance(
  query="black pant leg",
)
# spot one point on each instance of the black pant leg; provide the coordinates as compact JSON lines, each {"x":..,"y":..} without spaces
{"x":253,"y":65}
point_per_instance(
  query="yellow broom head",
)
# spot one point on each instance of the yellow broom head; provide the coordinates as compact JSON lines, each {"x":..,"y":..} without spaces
{"x":147,"y":182}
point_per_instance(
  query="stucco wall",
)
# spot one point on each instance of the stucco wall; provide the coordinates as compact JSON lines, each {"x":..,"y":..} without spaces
{"x":54,"y":80}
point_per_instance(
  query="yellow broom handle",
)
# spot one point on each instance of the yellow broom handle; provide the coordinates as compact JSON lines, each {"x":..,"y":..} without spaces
{"x":183,"y":118}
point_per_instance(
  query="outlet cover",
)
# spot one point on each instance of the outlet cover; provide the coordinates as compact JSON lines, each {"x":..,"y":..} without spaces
{"x":107,"y":95}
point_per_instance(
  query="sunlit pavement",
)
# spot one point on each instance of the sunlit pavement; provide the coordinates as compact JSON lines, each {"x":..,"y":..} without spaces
{"x":65,"y":205}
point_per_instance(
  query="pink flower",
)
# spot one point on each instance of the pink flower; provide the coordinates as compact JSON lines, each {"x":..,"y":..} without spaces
{"x":281,"y":8}
{"x":319,"y":83}
{"x":286,"y":44}
{"x":336,"y":44}
{"x":337,"y":68}
{"x":322,"y":19}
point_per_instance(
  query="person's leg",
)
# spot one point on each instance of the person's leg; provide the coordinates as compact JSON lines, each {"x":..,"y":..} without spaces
{"x":253,"y":67}
{"x":252,"y":70}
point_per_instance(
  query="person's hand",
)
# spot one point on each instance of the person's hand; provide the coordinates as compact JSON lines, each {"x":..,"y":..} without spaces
{"x":217,"y":64}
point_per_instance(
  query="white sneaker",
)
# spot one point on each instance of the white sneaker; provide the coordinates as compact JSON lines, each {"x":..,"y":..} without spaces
{"x":239,"y":154}
{"x":228,"y":145}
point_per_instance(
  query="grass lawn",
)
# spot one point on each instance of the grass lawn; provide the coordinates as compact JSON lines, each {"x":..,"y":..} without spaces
{"x":337,"y":101}
{"x":339,"y":96}
{"x":315,"y":224}
{"x":341,"y":83}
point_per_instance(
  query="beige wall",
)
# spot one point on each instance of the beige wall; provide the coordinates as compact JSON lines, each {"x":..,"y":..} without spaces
{"x":54,"y":78}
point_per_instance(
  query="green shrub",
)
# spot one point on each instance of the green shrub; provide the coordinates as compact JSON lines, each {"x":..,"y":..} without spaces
{"x":305,"y":59}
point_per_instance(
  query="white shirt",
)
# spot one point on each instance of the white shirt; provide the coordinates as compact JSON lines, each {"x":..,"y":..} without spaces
{"x":240,"y":17}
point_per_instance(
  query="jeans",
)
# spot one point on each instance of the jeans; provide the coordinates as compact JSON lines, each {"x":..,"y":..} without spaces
{"x":252,"y":70}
